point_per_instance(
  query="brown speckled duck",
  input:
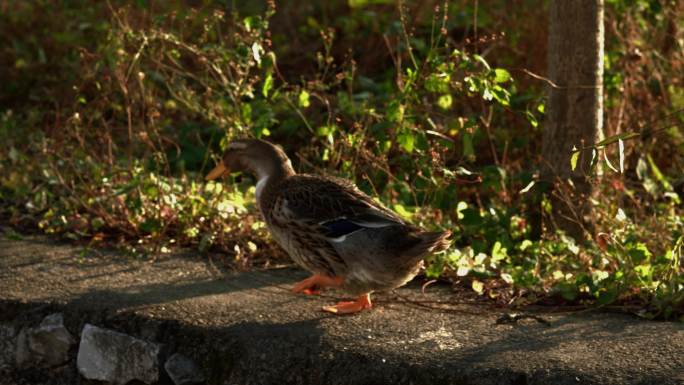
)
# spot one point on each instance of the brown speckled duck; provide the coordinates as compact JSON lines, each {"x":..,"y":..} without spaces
{"x":330,"y":228}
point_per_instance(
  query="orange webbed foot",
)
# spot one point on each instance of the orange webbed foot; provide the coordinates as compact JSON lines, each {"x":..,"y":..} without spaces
{"x":312,"y":291}
{"x":350,"y":307}
{"x":315,"y":283}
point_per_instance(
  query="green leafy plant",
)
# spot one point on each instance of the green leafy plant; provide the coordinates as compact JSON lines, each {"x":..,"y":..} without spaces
{"x":112,"y":113}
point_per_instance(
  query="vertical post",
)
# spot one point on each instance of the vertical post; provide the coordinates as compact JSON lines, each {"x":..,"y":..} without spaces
{"x":574,"y":111}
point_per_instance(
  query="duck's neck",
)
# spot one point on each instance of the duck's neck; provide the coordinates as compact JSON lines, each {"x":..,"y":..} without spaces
{"x":260,"y":186}
{"x":270,"y":172}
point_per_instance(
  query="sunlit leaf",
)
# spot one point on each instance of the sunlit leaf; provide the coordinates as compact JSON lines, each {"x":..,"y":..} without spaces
{"x":477,"y":286}
{"x":482,"y":60}
{"x":268,"y":85}
{"x":406,"y":141}
{"x":403,"y":211}
{"x":531,"y":118}
{"x":574,"y":158}
{"x":459,"y":209}
{"x":435,"y":268}
{"x":463,"y":171}
{"x":328,"y":132}
{"x":502,"y":76}
{"x":499,"y":253}
{"x":621,"y":147}
{"x":615,"y":138}
{"x":395,"y":111}
{"x":639,"y":252}
{"x":525,"y":244}
{"x":594,"y":157}
{"x":256,"y":52}
{"x":610,"y":165}
{"x":507,"y":278}
{"x":249,"y":22}
{"x":527,"y":188}
{"x":444,"y":102}
{"x":303,"y":99}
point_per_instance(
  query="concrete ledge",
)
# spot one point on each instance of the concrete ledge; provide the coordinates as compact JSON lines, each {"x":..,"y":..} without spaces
{"x":246,"y":328}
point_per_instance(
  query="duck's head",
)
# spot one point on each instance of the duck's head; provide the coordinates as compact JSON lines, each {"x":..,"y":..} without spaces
{"x":253,"y":156}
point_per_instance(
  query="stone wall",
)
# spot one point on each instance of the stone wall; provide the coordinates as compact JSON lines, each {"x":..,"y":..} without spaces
{"x":100,"y":354}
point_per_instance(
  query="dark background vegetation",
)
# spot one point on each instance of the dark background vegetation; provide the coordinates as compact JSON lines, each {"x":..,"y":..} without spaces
{"x":111,"y":112}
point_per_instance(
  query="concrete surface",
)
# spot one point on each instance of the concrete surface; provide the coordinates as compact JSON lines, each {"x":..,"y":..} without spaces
{"x":246,"y":328}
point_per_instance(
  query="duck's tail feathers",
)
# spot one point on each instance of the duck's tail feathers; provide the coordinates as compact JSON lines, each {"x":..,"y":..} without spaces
{"x":430,"y":243}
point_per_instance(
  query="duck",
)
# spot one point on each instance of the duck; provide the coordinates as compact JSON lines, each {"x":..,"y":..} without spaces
{"x":329,"y":227}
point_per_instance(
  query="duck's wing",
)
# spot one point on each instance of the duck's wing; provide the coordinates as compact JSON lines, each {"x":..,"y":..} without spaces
{"x":319,"y":212}
{"x":337,"y":205}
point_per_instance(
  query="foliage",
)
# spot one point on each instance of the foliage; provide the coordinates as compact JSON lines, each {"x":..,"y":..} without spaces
{"x":112,"y":113}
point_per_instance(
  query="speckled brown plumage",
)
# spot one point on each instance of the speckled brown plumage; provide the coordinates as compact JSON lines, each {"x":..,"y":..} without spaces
{"x":331,"y":228}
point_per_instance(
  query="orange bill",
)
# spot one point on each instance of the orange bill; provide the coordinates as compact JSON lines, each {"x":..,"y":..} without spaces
{"x":217,"y":172}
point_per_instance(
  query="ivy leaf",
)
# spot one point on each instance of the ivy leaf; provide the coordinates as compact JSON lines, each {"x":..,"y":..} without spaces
{"x":638,"y":253}
{"x":499,"y":253}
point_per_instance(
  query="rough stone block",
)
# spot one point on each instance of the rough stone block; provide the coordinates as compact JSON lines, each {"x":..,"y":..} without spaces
{"x":115,"y":357}
{"x":183,"y":371}
{"x":7,"y":342}
{"x":44,"y":346}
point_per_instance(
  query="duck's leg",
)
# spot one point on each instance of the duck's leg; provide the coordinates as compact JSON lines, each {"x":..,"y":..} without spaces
{"x":315,"y":283}
{"x":362,"y":302}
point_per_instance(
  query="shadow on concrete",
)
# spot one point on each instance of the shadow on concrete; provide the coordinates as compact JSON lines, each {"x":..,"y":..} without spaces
{"x":160,"y":293}
{"x":305,"y":351}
